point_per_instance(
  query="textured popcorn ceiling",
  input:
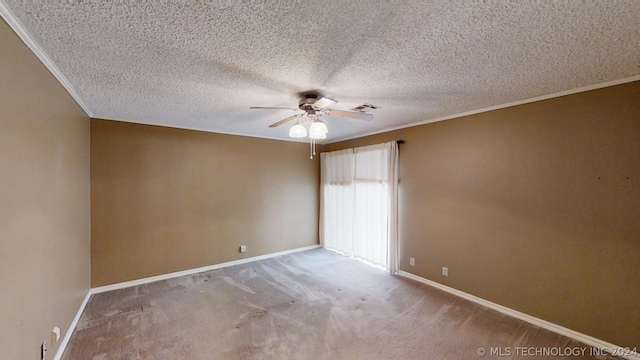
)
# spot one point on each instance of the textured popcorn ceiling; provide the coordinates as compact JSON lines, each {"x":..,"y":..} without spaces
{"x":191,"y":65}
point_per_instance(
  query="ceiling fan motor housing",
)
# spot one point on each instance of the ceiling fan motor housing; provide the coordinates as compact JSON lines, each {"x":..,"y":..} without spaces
{"x":306,"y":103}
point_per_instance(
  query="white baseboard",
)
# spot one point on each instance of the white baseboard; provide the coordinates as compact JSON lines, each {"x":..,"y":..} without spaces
{"x":74,"y":323}
{"x":151,"y":279}
{"x":583,"y":338}
{"x":72,"y":327}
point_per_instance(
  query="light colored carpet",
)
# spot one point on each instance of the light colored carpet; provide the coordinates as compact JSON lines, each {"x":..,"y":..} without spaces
{"x":310,"y":305}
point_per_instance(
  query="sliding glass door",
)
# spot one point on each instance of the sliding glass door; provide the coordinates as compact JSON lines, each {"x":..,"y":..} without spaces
{"x":359,"y":203}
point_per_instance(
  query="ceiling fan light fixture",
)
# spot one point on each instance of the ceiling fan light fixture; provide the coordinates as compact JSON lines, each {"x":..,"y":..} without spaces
{"x":297,"y":131}
{"x":314,"y":105}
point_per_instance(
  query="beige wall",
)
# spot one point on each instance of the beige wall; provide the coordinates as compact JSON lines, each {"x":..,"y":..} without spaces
{"x":44,"y":203}
{"x":535,"y":207}
{"x":166,"y":200}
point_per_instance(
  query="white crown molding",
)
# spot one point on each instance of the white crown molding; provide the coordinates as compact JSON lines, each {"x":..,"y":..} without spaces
{"x":172,"y":275}
{"x":497,"y":107}
{"x":72,"y":328}
{"x":583,"y":338}
{"x":195,"y":128}
{"x":29,"y":40}
{"x":20,"y":30}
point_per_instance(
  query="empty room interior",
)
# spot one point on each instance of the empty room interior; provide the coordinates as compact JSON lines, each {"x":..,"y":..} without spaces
{"x":319,"y":180}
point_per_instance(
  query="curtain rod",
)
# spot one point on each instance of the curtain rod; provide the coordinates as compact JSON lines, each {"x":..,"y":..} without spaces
{"x":400,"y":142}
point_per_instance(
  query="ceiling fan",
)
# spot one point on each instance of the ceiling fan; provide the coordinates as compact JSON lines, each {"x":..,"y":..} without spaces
{"x":314,"y":104}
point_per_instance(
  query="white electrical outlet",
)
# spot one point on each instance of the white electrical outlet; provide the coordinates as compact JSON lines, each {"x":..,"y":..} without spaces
{"x":445,"y":271}
{"x":412,"y":261}
{"x":243,"y":248}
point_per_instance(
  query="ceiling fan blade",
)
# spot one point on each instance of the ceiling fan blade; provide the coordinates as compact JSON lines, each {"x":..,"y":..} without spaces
{"x":349,"y":114}
{"x":286,"y":120}
{"x":272,"y":108}
{"x":322,"y":103}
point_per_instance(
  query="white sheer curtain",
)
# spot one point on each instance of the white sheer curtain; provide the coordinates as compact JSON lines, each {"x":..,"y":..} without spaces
{"x":359,"y":203}
{"x":336,"y":205}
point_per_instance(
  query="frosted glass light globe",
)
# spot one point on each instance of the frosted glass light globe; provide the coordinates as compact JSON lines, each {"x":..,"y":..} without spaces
{"x":318,"y":130}
{"x":297,"y":131}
